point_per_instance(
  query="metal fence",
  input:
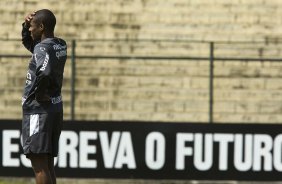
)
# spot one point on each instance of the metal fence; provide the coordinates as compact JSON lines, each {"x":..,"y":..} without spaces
{"x":214,"y":55}
{"x":211,"y":58}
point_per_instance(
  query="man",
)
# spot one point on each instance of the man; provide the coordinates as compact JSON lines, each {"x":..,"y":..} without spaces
{"x":42,"y":101}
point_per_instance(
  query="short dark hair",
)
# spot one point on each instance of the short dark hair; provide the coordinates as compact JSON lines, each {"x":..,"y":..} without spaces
{"x":47,"y":18}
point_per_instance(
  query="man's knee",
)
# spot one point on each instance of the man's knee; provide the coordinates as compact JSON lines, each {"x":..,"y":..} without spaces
{"x":39,"y":162}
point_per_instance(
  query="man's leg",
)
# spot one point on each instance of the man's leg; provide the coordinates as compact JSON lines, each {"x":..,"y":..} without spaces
{"x":52,"y":169}
{"x":40,"y":167}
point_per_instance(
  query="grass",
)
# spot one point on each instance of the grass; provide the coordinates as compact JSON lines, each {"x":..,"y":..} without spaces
{"x":16,"y":181}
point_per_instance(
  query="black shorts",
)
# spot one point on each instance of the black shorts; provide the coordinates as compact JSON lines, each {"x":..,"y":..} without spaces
{"x":41,"y":132}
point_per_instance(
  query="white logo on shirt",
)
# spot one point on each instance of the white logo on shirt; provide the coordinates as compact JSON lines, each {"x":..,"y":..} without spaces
{"x":45,"y":62}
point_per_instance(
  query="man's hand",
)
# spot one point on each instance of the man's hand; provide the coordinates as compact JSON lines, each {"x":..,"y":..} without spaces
{"x":28,"y":19}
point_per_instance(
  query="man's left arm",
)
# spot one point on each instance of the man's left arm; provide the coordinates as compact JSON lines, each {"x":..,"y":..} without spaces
{"x":43,"y":73}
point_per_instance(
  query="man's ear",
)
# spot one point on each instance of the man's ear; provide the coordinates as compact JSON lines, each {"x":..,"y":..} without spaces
{"x":41,"y":27}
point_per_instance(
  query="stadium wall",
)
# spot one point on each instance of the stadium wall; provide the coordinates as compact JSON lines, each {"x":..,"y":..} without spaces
{"x":157,"y":90}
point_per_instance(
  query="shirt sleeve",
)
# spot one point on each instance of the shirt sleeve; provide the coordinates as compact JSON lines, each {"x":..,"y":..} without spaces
{"x":27,"y":40}
{"x":43,"y":72}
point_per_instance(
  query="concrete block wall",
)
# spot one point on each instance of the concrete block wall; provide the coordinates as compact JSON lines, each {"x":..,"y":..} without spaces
{"x":248,"y":92}
{"x":243,"y":20}
{"x":157,"y":90}
{"x":142,"y":90}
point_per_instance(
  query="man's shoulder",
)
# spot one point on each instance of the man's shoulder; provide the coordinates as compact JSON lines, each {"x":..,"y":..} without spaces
{"x":42,"y":47}
{"x":51,"y":44}
{"x":60,"y":40}
{"x":55,"y":43}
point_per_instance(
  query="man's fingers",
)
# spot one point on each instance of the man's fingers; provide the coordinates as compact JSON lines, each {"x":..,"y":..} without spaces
{"x":28,"y":20}
{"x":30,"y":16}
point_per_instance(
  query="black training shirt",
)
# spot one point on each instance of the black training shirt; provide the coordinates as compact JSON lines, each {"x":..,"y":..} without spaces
{"x":42,"y":91}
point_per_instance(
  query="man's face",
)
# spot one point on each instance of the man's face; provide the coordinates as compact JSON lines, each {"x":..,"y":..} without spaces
{"x":35,"y":30}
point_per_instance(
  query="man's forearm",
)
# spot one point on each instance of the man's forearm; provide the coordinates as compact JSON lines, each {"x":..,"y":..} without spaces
{"x":26,"y":38}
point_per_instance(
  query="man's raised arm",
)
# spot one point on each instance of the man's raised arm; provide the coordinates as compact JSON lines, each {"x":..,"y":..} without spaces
{"x":27,"y":40}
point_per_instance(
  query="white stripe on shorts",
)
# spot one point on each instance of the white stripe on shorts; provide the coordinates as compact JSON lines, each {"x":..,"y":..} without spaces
{"x":33,"y":124}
